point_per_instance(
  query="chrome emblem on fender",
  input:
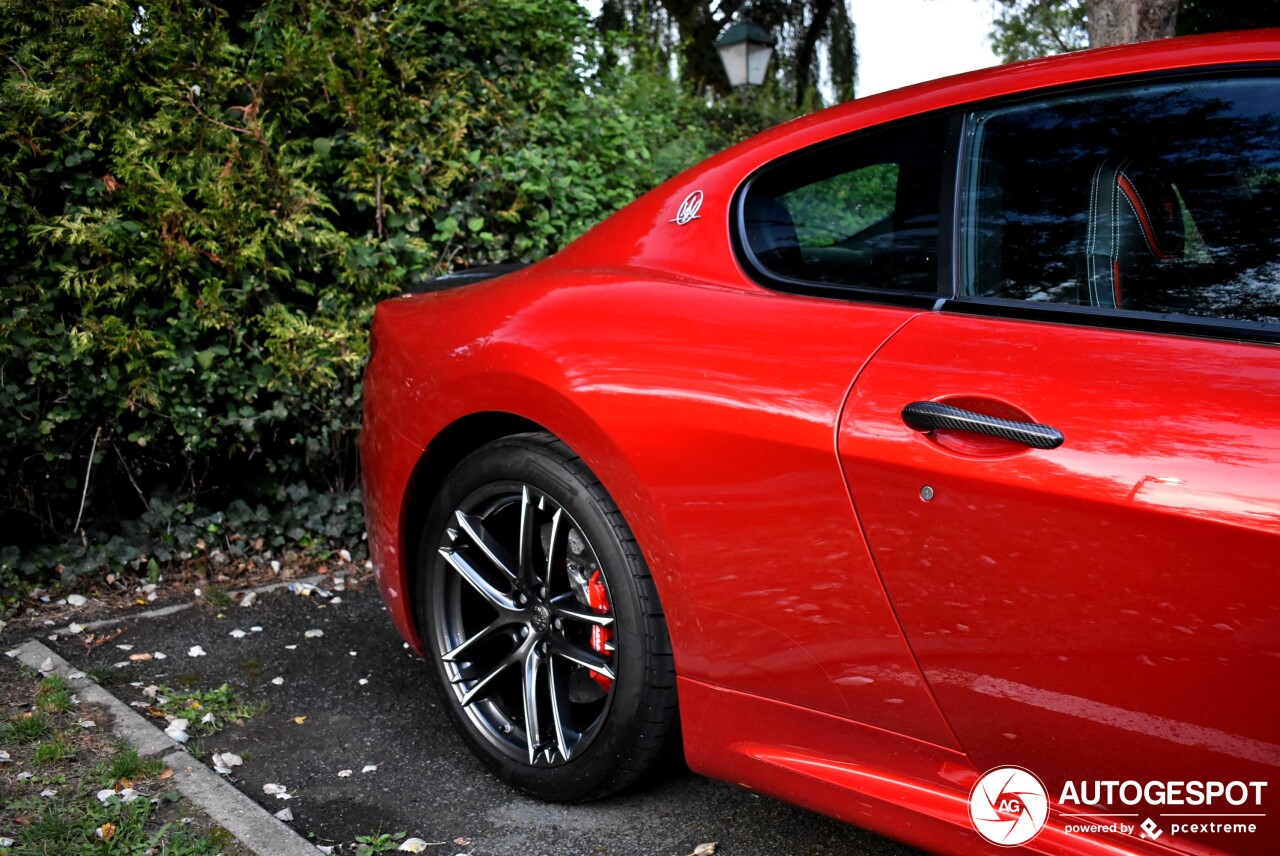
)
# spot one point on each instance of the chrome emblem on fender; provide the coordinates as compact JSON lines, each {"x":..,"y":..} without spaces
{"x":688,"y":209}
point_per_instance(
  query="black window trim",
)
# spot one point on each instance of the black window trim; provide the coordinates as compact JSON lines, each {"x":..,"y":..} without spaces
{"x":761,"y":275}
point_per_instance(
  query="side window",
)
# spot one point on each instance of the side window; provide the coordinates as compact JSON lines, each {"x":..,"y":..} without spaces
{"x":861,"y":212}
{"x":1162,"y":198}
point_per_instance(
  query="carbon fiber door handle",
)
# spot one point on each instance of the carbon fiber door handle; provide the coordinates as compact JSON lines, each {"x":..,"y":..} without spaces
{"x":930,"y":415}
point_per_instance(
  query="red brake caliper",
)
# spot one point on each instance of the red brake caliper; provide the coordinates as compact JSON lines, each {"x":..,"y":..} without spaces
{"x":598,"y":599}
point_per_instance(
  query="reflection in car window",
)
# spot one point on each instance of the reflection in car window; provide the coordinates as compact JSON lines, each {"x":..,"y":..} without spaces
{"x":861,"y":212}
{"x":1162,"y":198}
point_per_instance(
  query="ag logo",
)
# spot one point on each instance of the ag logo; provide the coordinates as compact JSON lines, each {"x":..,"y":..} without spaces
{"x":1008,"y":806}
{"x":688,"y":211}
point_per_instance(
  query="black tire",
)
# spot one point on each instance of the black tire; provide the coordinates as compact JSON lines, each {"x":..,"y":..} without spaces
{"x":576,"y":609}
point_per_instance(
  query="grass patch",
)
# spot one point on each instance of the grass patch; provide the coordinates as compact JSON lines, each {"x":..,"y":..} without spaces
{"x":217,"y":597}
{"x":53,"y":695}
{"x":127,"y":764}
{"x":56,"y":748}
{"x":26,"y":728}
{"x":105,"y":675}
{"x":197,"y":706}
{"x":56,"y":810}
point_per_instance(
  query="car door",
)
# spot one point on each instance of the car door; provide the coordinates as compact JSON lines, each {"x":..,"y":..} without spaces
{"x":1069,"y":477}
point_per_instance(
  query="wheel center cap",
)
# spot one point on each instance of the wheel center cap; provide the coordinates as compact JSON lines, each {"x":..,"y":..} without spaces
{"x":541,"y":618}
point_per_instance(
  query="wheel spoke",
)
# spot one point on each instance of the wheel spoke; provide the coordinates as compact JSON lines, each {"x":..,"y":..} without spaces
{"x":503,"y":664}
{"x":560,"y":708}
{"x":566,"y":649}
{"x":452,"y":655}
{"x":532,"y":723}
{"x":528,"y":534}
{"x":495,"y":552}
{"x":552,"y":554}
{"x":560,"y":608}
{"x":496,"y":598}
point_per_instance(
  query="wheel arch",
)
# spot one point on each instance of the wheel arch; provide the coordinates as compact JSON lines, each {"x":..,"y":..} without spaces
{"x":459,"y":438}
{"x":445,"y":451}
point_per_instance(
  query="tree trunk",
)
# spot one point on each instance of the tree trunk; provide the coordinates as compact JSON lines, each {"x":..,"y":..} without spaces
{"x":1118,"y":22}
{"x":804,"y":58}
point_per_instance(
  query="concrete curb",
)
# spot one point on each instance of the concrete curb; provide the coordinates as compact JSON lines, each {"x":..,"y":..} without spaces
{"x":252,"y":825}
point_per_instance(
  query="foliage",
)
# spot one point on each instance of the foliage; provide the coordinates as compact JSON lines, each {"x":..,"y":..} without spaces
{"x":1024,"y":29}
{"x":383,"y":842}
{"x":202,"y":203}
{"x":171,"y":531}
{"x":815,"y":42}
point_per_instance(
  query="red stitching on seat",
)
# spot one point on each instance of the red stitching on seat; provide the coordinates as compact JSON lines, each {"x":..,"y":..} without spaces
{"x":1140,"y":211}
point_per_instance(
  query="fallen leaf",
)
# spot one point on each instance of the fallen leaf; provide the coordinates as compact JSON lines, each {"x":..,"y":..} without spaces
{"x":280,"y":792}
{"x":299,"y":719}
{"x":106,"y":832}
{"x":47,"y":665}
{"x":177,"y":730}
{"x":167,"y":773}
{"x":126,"y":795}
{"x":224,"y":761}
{"x":138,"y":657}
{"x":285,"y":814}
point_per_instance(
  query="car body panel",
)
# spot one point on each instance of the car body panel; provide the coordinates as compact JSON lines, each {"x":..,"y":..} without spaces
{"x":749,"y":606}
{"x":753,"y":442}
{"x":1109,"y":602}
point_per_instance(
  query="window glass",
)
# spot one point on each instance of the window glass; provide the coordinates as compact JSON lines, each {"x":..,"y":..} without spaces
{"x":1161,"y":198}
{"x":861,"y":212}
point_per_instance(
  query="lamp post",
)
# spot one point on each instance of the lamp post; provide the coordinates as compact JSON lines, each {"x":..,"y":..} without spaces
{"x":745,"y":49}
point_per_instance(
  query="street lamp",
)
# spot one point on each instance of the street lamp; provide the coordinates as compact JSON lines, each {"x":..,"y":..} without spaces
{"x":745,"y":49}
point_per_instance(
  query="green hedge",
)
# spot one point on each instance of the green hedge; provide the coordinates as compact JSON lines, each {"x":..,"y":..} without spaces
{"x":202,"y":204}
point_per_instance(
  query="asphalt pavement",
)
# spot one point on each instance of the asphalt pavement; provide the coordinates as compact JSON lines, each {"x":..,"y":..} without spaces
{"x":350,"y":727}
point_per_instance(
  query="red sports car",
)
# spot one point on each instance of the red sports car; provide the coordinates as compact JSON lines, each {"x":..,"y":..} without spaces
{"x":917,"y":461}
